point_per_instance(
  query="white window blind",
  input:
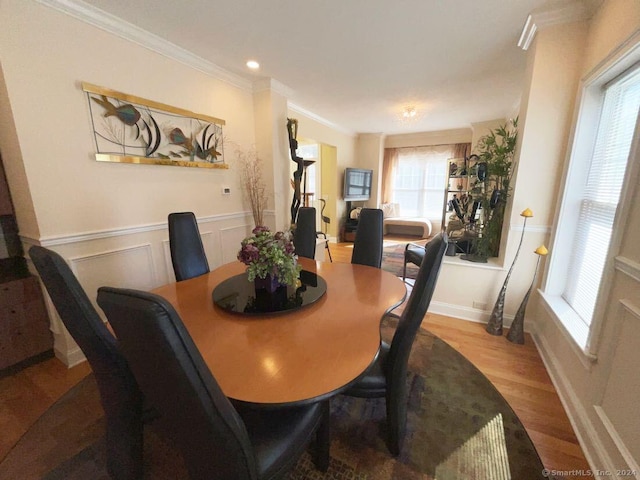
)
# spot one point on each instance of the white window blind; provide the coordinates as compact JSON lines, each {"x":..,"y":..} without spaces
{"x":419,"y":179}
{"x":601,"y":193}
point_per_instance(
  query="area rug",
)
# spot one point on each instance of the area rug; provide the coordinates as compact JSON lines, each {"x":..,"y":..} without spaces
{"x":393,"y":260}
{"x":459,"y":427}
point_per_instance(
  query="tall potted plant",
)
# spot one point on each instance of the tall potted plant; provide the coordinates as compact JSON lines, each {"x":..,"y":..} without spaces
{"x":496,"y":151}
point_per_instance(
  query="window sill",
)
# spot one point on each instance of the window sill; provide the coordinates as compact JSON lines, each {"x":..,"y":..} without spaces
{"x":492,"y":263}
{"x":571,"y":326}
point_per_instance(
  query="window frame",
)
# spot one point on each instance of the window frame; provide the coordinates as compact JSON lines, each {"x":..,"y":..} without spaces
{"x":581,"y":145}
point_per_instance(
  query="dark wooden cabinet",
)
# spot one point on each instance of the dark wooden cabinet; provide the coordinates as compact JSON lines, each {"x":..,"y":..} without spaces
{"x":350,"y":230}
{"x":24,"y":323}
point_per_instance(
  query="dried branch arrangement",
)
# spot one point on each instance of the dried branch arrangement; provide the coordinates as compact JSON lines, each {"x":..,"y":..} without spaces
{"x":252,"y":179}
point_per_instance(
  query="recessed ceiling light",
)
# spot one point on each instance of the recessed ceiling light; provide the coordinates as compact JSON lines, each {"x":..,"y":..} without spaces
{"x":253,"y":65}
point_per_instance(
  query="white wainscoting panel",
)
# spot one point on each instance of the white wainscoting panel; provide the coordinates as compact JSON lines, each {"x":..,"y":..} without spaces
{"x":128,"y":267}
{"x":136,"y":256}
{"x":622,"y":391}
{"x":230,"y":238}
{"x":166,"y":250}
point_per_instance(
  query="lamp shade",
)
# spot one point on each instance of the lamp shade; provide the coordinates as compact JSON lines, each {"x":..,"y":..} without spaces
{"x":541,"y":250}
{"x":527,"y":213}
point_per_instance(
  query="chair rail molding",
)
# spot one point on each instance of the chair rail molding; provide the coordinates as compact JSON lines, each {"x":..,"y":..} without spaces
{"x":628,"y":267}
{"x":54,"y":240}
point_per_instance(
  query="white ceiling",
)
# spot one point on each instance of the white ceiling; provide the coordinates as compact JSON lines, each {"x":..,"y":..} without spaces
{"x":357,"y":63}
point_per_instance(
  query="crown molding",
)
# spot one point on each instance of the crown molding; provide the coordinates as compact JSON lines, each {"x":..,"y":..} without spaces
{"x":554,"y":15}
{"x":127,"y":31}
{"x":296,"y":108}
{"x":269,"y":84}
{"x":123,"y":29}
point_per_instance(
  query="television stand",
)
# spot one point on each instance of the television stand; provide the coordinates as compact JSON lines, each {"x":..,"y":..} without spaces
{"x":350,"y":228}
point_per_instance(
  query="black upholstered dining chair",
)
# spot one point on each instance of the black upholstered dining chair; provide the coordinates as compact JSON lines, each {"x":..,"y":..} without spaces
{"x":388,"y":375}
{"x":187,"y":253}
{"x":304,"y":237}
{"x":413,"y":253}
{"x":120,"y":396}
{"x":215,"y":439}
{"x":367,"y":246}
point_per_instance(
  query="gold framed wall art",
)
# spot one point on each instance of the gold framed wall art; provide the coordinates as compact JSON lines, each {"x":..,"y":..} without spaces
{"x":130,"y":129}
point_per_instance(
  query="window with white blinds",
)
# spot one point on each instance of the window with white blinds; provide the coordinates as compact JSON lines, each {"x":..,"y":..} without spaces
{"x":601,"y":193}
{"x":419,"y":179}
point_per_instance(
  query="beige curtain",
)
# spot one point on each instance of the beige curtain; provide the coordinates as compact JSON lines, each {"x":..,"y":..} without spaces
{"x":461,"y":150}
{"x":388,"y":168}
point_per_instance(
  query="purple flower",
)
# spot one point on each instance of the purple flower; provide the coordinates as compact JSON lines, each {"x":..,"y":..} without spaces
{"x":289,"y":248}
{"x":248,"y":254}
{"x":266,"y":253}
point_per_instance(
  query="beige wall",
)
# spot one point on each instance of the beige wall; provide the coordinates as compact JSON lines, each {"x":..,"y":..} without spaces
{"x":45,"y":56}
{"x":600,"y":392}
{"x":273,"y":146}
{"x":480,"y":129}
{"x":14,"y":170}
{"x":419,"y":139}
{"x":330,"y":187}
{"x":108,"y":220}
{"x":370,"y":154}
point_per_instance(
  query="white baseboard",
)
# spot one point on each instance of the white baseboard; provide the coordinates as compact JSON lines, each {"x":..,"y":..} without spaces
{"x":70,"y":358}
{"x":466,"y":313}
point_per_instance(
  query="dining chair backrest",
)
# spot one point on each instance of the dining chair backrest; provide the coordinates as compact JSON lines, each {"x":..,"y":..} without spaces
{"x":367,"y":246}
{"x":411,"y":318}
{"x":187,"y":252}
{"x":304,"y":237}
{"x":173,"y":375}
{"x":119,"y":392}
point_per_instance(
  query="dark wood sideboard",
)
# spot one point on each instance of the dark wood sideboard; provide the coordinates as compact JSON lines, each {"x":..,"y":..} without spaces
{"x":25,"y":336}
{"x":24,"y":324}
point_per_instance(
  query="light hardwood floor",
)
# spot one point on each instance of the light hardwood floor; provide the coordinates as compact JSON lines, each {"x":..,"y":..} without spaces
{"x":517,"y":371}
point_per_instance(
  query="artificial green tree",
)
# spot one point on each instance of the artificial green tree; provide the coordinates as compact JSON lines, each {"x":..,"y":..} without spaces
{"x":497,"y":151}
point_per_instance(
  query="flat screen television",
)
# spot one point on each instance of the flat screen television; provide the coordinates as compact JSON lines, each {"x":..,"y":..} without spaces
{"x":357,"y":184}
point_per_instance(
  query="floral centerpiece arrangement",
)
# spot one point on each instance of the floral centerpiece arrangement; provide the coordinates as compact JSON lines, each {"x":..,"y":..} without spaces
{"x":270,"y":256}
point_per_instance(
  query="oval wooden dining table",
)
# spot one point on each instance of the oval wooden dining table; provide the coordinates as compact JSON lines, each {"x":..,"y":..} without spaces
{"x":295,"y":357}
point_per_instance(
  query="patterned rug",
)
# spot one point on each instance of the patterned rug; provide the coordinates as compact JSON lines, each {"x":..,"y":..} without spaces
{"x":393,"y":260}
{"x":459,"y":427}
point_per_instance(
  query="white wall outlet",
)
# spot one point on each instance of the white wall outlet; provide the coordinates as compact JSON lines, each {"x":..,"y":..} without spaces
{"x":226,"y":190}
{"x":479,"y":305}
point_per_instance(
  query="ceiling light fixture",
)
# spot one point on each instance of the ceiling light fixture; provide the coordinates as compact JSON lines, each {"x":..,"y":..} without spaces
{"x":253,"y":65}
{"x":409,"y":112}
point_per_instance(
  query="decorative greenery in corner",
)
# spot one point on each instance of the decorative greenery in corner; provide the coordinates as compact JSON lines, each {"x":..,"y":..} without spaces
{"x":497,"y":150}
